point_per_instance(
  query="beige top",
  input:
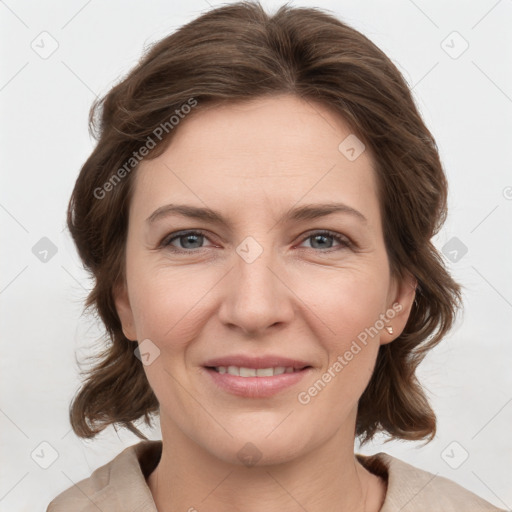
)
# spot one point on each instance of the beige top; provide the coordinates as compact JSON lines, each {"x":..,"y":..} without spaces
{"x":120,"y":486}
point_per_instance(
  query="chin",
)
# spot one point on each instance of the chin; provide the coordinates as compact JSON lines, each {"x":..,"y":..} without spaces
{"x":259,"y":446}
{"x":257,"y":453}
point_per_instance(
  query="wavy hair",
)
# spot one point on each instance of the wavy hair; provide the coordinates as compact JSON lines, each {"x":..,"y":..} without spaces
{"x":235,"y":53}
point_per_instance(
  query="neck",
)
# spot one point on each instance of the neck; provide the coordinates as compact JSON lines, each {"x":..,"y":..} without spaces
{"x":328,"y":477}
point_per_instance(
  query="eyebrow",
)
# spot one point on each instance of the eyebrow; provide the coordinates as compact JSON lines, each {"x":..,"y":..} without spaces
{"x":301,"y":213}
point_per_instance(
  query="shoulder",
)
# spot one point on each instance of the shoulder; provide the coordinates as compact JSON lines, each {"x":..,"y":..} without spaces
{"x":413,"y":489}
{"x":119,"y":484}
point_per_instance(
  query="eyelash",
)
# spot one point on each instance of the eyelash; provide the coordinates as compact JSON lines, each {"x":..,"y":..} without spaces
{"x":166,"y":242}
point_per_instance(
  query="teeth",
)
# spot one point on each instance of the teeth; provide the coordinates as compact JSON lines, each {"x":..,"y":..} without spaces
{"x":247,"y":372}
{"x":233,"y":370}
{"x":253,"y":372}
{"x":263,"y":372}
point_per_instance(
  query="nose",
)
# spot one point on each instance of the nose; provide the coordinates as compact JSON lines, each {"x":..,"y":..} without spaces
{"x":256,"y":295}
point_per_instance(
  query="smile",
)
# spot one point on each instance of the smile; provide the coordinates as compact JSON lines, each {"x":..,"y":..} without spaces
{"x":242,"y":371}
{"x":255,"y":382}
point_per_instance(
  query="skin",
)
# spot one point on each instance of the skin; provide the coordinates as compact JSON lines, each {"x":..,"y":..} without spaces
{"x":302,"y":297}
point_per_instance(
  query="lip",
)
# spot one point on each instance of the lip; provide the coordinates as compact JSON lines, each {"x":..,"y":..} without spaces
{"x":268,"y":361}
{"x":256,"y":387}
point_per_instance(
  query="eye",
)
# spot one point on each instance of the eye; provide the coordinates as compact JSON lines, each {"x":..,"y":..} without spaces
{"x":189,"y":240}
{"x":319,"y":239}
{"x":192,"y":240}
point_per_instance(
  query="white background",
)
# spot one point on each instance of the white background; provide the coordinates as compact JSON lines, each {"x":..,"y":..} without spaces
{"x":467,"y":104}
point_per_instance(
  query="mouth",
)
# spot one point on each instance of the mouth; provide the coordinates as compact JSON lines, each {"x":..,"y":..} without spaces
{"x":242,"y":371}
{"x":255,"y":376}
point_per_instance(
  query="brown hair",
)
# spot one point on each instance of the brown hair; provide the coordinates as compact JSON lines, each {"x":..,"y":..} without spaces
{"x":239,"y":52}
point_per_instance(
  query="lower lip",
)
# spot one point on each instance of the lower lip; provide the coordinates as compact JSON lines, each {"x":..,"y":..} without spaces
{"x":256,"y":387}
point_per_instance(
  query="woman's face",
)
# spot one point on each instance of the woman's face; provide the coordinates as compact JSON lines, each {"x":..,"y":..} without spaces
{"x":265,"y":281}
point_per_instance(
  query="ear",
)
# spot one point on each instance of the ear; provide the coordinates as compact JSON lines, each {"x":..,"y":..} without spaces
{"x":400,"y":301}
{"x":124,"y":310}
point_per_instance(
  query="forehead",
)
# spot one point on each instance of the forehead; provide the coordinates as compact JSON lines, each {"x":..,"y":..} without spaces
{"x":277,"y":151}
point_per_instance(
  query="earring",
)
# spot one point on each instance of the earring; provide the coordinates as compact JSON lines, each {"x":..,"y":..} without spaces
{"x":389,"y":329}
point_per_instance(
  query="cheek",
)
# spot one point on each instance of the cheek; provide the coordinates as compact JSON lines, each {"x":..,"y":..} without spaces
{"x":346,"y":303}
{"x":167,"y":305}
{"x":170,"y":304}
{"x":347,"y":323}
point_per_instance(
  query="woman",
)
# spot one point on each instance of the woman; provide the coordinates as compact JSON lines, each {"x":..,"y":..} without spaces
{"x":288,"y":151}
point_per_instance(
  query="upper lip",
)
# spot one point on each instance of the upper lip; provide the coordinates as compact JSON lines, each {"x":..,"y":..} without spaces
{"x":270,"y":361}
